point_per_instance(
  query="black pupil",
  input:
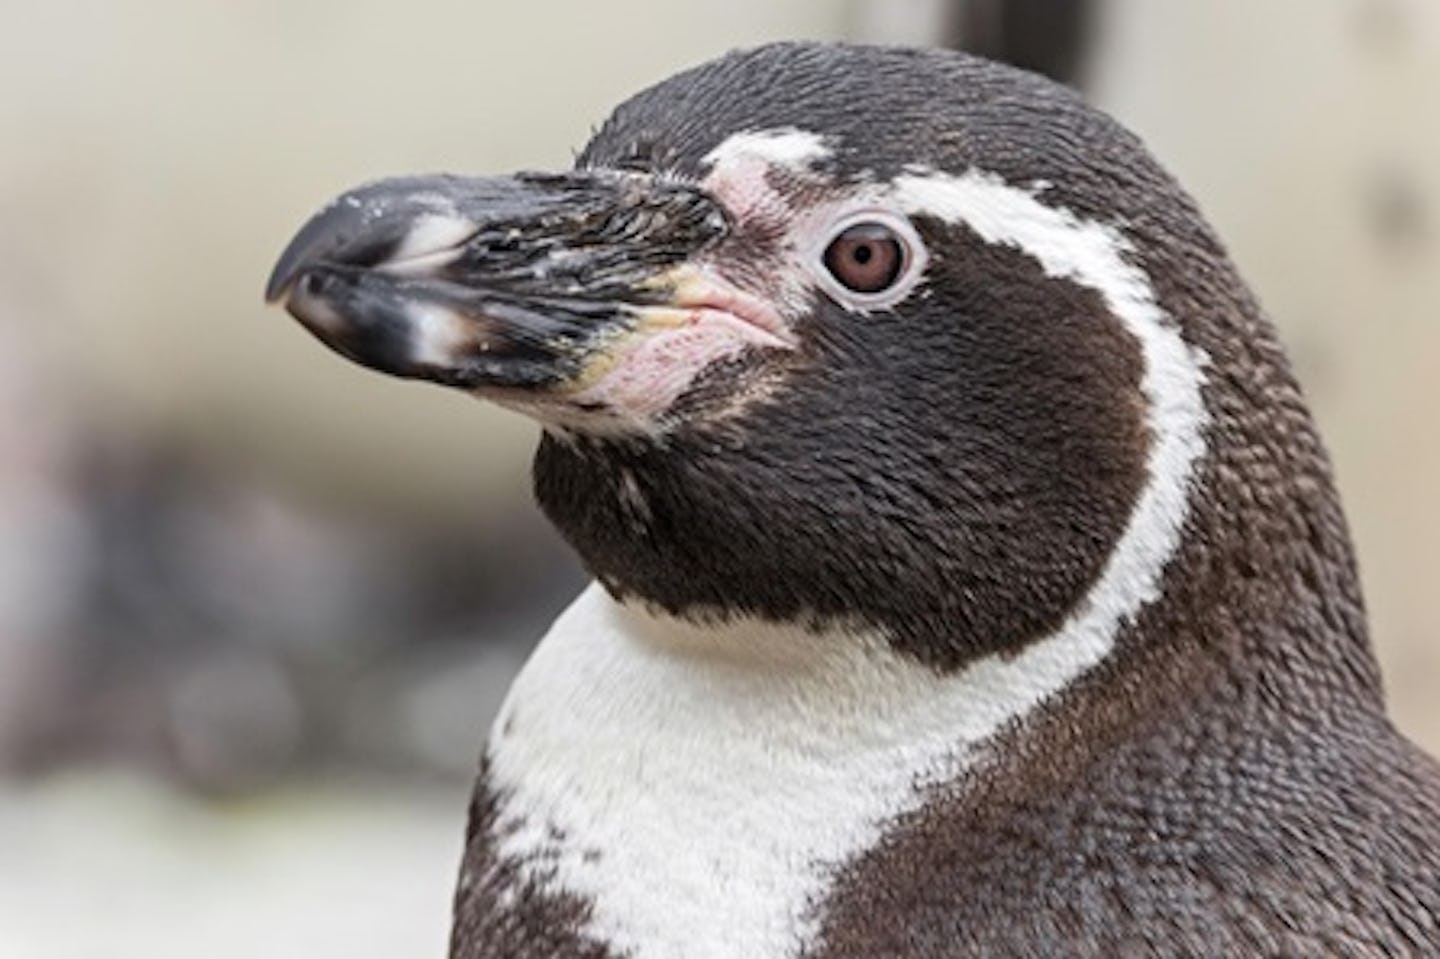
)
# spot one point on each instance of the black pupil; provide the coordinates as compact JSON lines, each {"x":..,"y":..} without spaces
{"x":866,"y":258}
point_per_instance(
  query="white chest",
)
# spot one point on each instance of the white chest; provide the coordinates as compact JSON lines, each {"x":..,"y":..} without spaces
{"x":700,"y":787}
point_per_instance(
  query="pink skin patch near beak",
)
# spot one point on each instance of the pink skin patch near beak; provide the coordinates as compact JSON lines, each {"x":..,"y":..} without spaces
{"x":651,"y":367}
{"x":637,"y":377}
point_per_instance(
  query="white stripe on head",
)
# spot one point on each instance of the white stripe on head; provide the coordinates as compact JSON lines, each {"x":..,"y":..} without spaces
{"x":740,"y":167}
{"x":785,"y":147}
{"x":1095,"y":256}
{"x":700,"y":786}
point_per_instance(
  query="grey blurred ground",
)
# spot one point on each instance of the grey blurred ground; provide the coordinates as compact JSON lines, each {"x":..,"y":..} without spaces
{"x":256,"y":605}
{"x":116,"y":865}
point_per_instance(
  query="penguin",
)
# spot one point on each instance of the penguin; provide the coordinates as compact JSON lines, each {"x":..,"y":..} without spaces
{"x":969,"y":576}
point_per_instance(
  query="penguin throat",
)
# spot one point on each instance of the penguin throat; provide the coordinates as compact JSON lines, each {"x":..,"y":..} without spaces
{"x":653,"y":767}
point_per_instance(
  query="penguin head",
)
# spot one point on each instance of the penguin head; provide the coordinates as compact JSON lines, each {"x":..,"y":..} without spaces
{"x":897,"y":338}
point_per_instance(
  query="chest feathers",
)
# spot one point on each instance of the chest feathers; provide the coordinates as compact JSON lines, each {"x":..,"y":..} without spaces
{"x":697,"y":787}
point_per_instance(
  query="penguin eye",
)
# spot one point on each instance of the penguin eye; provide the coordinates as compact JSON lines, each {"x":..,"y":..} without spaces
{"x":867,"y":257}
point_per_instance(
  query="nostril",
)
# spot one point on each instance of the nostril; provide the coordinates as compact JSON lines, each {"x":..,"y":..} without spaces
{"x":311,"y":284}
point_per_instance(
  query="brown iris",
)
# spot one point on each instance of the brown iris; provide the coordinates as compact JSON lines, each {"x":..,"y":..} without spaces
{"x":866,"y":258}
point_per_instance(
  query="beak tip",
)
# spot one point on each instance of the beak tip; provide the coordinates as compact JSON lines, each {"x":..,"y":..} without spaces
{"x":282,"y":277}
{"x":275,"y":290}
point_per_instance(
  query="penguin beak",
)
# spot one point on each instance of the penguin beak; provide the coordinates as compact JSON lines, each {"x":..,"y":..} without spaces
{"x":528,"y":282}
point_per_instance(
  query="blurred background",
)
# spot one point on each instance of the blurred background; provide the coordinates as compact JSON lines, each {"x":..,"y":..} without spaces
{"x":257,"y":605}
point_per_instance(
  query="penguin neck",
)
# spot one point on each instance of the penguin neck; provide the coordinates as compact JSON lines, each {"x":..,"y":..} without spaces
{"x":809,"y":743}
{"x":789,"y":683}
